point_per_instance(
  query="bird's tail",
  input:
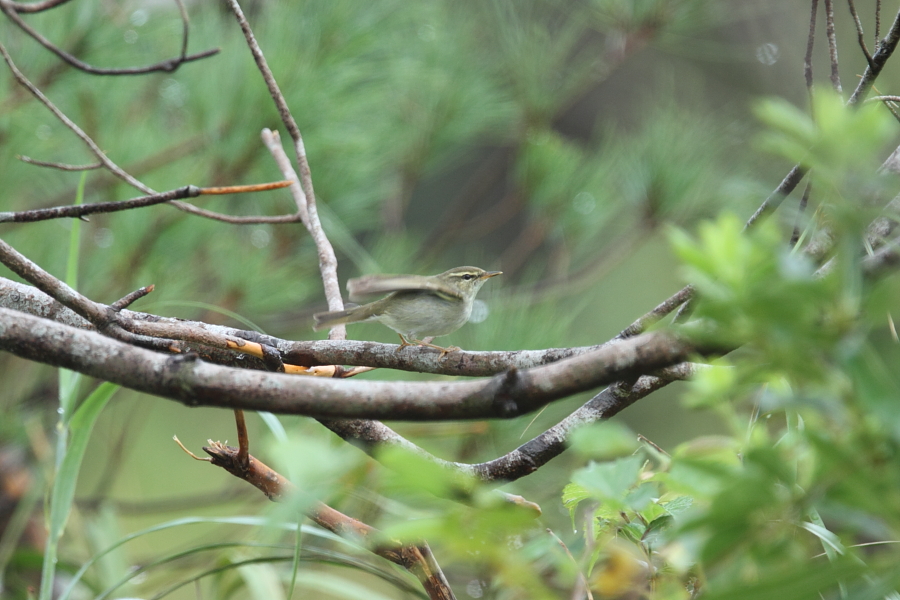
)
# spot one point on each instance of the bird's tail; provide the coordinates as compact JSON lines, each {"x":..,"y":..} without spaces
{"x":354,"y":314}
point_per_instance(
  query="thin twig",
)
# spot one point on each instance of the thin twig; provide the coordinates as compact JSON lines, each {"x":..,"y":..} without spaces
{"x":810,"y":39}
{"x":185,"y":28}
{"x":242,"y":459}
{"x":583,"y":589}
{"x":272,"y":141}
{"x":81,"y":210}
{"x":663,"y":309}
{"x":832,"y":45}
{"x":59,"y":166}
{"x":652,"y":444}
{"x":35,"y":7}
{"x":121,"y":173}
{"x":189,"y":453}
{"x":787,"y":185}
{"x":131,"y":298}
{"x":234,"y":220}
{"x":804,"y":200}
{"x":327,"y":258}
{"x":860,"y":34}
{"x":885,"y":50}
{"x":877,"y":24}
{"x":280,"y":103}
{"x":243,"y":189}
{"x":890,"y":103}
{"x":167,"y":66}
{"x":37,"y":93}
{"x":104,"y":318}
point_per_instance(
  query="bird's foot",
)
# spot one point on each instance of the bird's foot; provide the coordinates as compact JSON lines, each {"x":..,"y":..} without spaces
{"x":414,"y":342}
{"x":403,"y":343}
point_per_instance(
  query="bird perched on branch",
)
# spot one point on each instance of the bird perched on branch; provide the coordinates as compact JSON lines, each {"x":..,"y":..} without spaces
{"x":416,"y":306}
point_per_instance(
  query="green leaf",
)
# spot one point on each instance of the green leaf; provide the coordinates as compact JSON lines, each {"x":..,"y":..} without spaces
{"x":337,"y":586}
{"x":609,"y":481}
{"x":573,"y":495}
{"x":634,"y":531}
{"x":80,"y":426}
{"x":410,"y":472}
{"x":638,"y":499}
{"x":69,"y":461}
{"x":69,"y":380}
{"x":830,"y":541}
{"x":841,"y":138}
{"x":251,"y":521}
{"x":604,"y":440}
{"x":800,"y":582}
{"x":656,"y":527}
{"x":262,"y":580}
{"x":678,"y":505}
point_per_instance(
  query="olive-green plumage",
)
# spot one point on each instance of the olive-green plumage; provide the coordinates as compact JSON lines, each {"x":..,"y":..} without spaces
{"x":417,"y":306}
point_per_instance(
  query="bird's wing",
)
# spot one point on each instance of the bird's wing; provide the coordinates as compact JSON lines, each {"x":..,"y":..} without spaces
{"x":369,"y":285}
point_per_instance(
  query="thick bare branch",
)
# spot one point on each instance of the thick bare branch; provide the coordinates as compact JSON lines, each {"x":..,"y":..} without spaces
{"x":535,"y":453}
{"x":196,"y":383}
{"x":27,"y":299}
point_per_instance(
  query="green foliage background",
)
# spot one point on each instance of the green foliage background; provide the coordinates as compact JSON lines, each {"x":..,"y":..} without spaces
{"x":577,"y":146}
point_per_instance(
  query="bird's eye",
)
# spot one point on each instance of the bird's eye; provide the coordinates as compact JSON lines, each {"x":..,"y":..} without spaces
{"x":467,"y":277}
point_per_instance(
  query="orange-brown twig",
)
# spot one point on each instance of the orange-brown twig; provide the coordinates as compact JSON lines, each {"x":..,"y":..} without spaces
{"x":417,"y":559}
{"x":243,"y":189}
{"x":338,"y":371}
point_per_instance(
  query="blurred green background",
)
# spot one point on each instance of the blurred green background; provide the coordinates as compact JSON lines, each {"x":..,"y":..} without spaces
{"x":555,"y":141}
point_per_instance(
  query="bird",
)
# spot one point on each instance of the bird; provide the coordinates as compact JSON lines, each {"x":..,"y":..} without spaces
{"x":416,"y":306}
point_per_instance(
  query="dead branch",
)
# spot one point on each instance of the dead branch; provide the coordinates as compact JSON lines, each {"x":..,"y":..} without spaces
{"x":10,"y":9}
{"x":194,"y":382}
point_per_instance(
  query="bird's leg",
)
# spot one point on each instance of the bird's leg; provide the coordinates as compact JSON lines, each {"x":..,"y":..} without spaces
{"x":444,"y":351}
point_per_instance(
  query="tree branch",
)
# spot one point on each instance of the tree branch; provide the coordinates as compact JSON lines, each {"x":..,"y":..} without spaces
{"x":94,"y":148}
{"x":168,"y":65}
{"x":885,"y":50}
{"x":537,"y":452}
{"x":194,"y":382}
{"x":27,"y":299}
{"x":832,"y":45}
{"x":417,"y":559}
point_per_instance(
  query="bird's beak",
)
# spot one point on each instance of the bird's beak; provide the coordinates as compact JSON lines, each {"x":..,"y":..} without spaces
{"x":490,"y":274}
